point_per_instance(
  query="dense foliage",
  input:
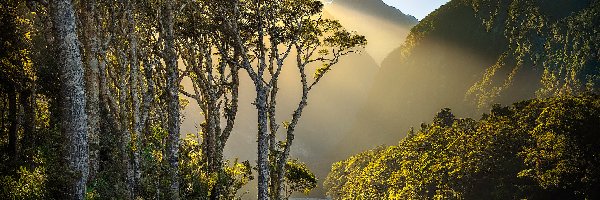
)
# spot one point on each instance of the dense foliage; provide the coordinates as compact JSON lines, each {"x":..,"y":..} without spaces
{"x":535,"y":149}
{"x":90,"y":95}
{"x":558,"y":39}
{"x":470,"y":54}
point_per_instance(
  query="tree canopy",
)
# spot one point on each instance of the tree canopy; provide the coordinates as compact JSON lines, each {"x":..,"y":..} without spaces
{"x":91,"y":95}
{"x":534,"y":149}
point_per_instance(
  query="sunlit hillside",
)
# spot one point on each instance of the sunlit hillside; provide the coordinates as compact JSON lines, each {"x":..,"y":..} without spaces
{"x":445,"y":57}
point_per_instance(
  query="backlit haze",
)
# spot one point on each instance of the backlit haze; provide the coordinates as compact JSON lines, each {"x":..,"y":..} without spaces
{"x":336,"y":101}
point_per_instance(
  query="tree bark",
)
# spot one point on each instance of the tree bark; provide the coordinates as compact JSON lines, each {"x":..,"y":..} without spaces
{"x":124,"y":114}
{"x":263,"y":143}
{"x":172,"y":99}
{"x":262,"y":92}
{"x":74,"y":118}
{"x":135,"y":102}
{"x":91,"y":84}
{"x":148,"y":96}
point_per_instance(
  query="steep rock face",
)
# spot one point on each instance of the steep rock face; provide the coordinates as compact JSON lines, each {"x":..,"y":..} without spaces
{"x":444,"y":55}
{"x":384,"y":26}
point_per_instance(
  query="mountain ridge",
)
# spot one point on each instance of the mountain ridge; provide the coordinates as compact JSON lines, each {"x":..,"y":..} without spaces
{"x":444,"y":57}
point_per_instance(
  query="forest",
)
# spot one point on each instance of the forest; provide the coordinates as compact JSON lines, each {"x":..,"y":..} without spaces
{"x":534,"y":149}
{"x":149,"y":99}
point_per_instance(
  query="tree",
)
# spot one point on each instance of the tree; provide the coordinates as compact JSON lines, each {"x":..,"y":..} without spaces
{"x":74,"y":117}
{"x":131,"y":78}
{"x":199,"y":183}
{"x":298,"y":178}
{"x":172,"y":86}
{"x":215,"y":81}
{"x":562,"y":158}
{"x":16,"y":81}
{"x":264,"y":34}
{"x":90,"y":46}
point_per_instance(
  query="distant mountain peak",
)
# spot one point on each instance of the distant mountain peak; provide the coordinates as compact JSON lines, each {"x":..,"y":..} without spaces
{"x":384,"y":26}
{"x":377,"y":8}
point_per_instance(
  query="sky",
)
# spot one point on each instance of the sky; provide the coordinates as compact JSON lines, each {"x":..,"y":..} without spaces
{"x":416,"y":8}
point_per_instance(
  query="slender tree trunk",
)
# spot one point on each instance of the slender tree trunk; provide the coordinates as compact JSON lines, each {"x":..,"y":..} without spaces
{"x":172,"y":100}
{"x":262,"y":108}
{"x":215,"y":154}
{"x":135,"y":102}
{"x":212,"y":123}
{"x":148,"y":96}
{"x":263,"y":143}
{"x":273,"y":127}
{"x":74,"y":118}
{"x":124,"y":121}
{"x":289,"y":138}
{"x":230,"y":110}
{"x":91,"y":85}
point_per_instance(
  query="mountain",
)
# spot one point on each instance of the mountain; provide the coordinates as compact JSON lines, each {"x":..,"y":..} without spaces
{"x":378,"y":9}
{"x":385,"y":27}
{"x":499,"y":51}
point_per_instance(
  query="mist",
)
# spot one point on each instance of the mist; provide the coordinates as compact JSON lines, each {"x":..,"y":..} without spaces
{"x":332,"y":106}
{"x":373,"y":98}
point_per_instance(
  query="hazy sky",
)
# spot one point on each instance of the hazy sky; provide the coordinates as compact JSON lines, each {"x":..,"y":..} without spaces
{"x":417,"y":8}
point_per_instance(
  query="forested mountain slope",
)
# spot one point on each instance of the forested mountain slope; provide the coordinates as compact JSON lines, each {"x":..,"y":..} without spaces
{"x":472,"y":53}
{"x":534,"y":149}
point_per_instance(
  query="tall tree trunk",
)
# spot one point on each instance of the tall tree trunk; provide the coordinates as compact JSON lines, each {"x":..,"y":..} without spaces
{"x":213,"y":131}
{"x":289,"y":138}
{"x":135,"y":102}
{"x":262,"y":108}
{"x":263,"y":143}
{"x":124,"y":120}
{"x":148,"y":96}
{"x":133,"y":173}
{"x":273,"y":127}
{"x":173,"y":99}
{"x":91,"y":84}
{"x":74,"y":118}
